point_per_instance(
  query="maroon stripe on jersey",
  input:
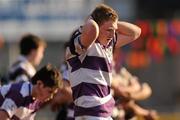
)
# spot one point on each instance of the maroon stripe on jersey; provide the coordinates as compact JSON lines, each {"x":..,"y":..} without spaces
{"x":15,"y":95}
{"x":70,"y":118}
{"x":71,"y":106}
{"x":75,"y":63}
{"x":90,"y":89}
{"x":18,"y":72}
{"x":104,"y":110}
{"x":90,"y":62}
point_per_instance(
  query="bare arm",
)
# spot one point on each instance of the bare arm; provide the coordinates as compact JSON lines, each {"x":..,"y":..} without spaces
{"x":135,"y":90}
{"x":90,"y":32}
{"x":140,"y":111}
{"x":4,"y":115}
{"x":142,"y":94}
{"x":118,"y":89}
{"x":127,"y":33}
{"x":134,"y":85}
{"x":126,"y":91}
{"x":131,"y":91}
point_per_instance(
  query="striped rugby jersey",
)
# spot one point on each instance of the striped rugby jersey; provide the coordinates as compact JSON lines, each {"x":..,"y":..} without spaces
{"x":21,"y":70}
{"x":16,"y":100}
{"x":90,"y":77}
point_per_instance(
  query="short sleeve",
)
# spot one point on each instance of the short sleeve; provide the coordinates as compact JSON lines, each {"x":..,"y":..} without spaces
{"x":79,"y":48}
{"x":22,"y":77}
{"x":75,"y":47}
{"x":12,"y":101}
{"x":9,"y":106}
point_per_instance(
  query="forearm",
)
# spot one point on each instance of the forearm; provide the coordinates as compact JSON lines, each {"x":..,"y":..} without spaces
{"x":138,"y":109}
{"x":142,"y":94}
{"x":120,"y":90}
{"x":129,"y":29}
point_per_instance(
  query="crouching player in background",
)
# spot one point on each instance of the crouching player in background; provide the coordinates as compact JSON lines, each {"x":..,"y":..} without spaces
{"x":127,"y":91}
{"x":18,"y":101}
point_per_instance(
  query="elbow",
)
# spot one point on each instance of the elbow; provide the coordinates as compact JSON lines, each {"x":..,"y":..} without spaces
{"x":90,"y":33}
{"x":137,"y":33}
{"x":94,"y":29}
{"x":147,"y":90}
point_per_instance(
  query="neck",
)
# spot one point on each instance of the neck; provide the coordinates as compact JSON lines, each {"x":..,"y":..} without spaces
{"x":104,"y":42}
{"x":30,"y":59}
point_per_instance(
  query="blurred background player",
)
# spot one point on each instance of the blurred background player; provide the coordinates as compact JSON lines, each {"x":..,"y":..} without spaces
{"x":90,"y":55}
{"x":31,"y":53}
{"x":18,"y":101}
{"x":127,"y":91}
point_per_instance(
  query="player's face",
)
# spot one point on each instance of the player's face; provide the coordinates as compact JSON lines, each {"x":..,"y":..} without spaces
{"x":38,"y":55}
{"x":107,"y":31}
{"x":45,"y":93}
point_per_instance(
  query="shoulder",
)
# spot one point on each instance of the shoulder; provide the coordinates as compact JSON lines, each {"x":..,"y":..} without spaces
{"x":26,"y":88}
{"x":20,"y":89}
{"x":76,"y":33}
{"x":22,"y":69}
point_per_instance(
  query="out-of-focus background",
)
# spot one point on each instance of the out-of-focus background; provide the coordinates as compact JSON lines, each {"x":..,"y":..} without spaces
{"x":154,"y":58}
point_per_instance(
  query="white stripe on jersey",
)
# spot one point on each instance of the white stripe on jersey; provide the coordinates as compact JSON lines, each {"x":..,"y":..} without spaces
{"x":91,"y":101}
{"x":24,"y":64}
{"x":91,"y":77}
{"x":21,"y":77}
{"x":24,"y":92}
{"x":85,"y":117}
{"x":70,"y":113}
{"x":10,"y":106}
{"x":5,"y":89}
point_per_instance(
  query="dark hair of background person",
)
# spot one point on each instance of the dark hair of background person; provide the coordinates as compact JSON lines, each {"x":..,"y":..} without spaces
{"x":30,"y":42}
{"x":49,"y":75}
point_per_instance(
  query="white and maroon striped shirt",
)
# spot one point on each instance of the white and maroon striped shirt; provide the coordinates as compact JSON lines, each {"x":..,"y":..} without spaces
{"x":21,"y":70}
{"x":16,"y":100}
{"x":90,"y":76}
